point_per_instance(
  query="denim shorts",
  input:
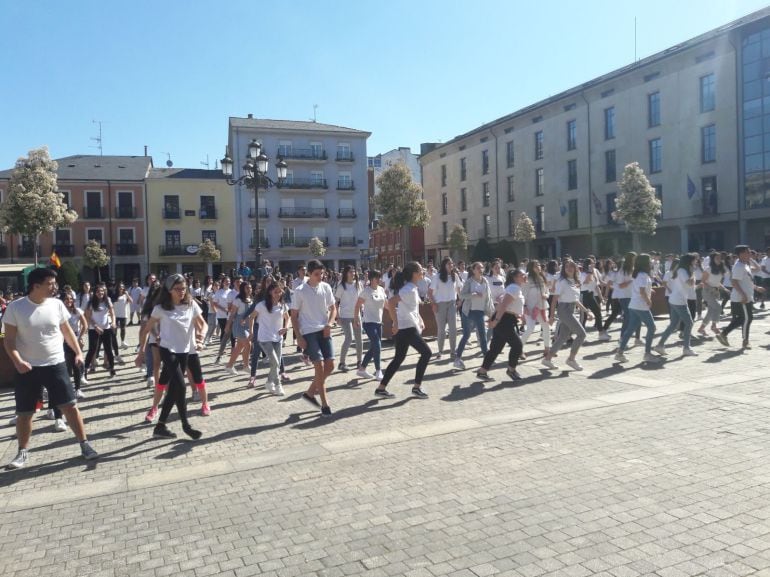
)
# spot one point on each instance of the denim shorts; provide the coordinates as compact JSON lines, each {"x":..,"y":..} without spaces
{"x":27,"y":390}
{"x":319,"y":347}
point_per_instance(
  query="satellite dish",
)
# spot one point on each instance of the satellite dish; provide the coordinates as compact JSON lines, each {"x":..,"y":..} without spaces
{"x":169,"y":163}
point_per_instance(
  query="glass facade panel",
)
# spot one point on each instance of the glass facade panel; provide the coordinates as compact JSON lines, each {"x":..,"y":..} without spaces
{"x":755,"y":63}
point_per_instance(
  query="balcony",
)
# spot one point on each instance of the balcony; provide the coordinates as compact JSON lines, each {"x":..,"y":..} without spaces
{"x":180,"y":249}
{"x":263,"y":242}
{"x":64,"y":249}
{"x":346,"y":213}
{"x":345,"y":185}
{"x":308,"y":154}
{"x":27,"y":250}
{"x":92,"y":211}
{"x":300,"y":241}
{"x":344,"y":156}
{"x":172,"y":214}
{"x":262,"y":212}
{"x":3,"y":251}
{"x":126,"y":249}
{"x":207,"y":213}
{"x":125,"y":212}
{"x":303,"y":212}
{"x":303,"y":184}
{"x":347,"y":241}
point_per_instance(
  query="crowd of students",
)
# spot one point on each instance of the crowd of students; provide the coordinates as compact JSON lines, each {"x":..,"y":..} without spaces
{"x":503,"y":305}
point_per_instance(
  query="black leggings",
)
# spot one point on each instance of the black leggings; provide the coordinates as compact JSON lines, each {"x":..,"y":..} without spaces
{"x":588,"y":299}
{"x":121,"y":322}
{"x":175,"y":365}
{"x":94,"y":340}
{"x":404,"y":339}
{"x":504,"y":333}
{"x":223,"y":337}
{"x":613,"y":315}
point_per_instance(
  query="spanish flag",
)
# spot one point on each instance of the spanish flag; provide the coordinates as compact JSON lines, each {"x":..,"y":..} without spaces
{"x":54,"y":260}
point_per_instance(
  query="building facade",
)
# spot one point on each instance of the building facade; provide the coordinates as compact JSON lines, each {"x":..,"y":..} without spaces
{"x":324,"y":194}
{"x":696,"y":117}
{"x":186,"y":206}
{"x":108,"y":194}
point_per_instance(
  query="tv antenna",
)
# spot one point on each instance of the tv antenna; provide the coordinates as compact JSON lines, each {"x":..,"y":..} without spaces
{"x":315,"y":108}
{"x":98,"y":139}
{"x":168,"y":161}
{"x":206,"y":164}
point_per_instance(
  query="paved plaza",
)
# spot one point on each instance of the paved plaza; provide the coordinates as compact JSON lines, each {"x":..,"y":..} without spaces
{"x":643,"y":469}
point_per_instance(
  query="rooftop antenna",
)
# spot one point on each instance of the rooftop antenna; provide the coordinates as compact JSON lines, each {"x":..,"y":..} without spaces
{"x":98,"y":139}
{"x":315,"y":108}
{"x":206,"y":164}
{"x":168,"y":161}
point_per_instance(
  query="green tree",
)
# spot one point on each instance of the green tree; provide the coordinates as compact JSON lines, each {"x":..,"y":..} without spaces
{"x":636,"y":204}
{"x":95,"y":257}
{"x":316,"y":247}
{"x":400,"y":201}
{"x":33,"y":204}
{"x":68,"y":275}
{"x":482,"y":251}
{"x":506,"y":251}
{"x":458,"y":241}
{"x":524,"y":231}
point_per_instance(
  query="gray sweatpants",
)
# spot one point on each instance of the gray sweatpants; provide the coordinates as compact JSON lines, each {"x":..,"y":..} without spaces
{"x":351,"y":331}
{"x":568,"y":326}
{"x":711,"y":298}
{"x":446,"y":315}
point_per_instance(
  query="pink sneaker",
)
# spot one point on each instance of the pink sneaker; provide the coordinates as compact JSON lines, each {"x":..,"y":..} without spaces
{"x":205,"y":410}
{"x":151,"y":414}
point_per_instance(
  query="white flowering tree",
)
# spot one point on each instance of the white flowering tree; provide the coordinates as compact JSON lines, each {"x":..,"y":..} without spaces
{"x":316,"y":247}
{"x":209,"y":253}
{"x":400,"y":201}
{"x":33,"y":204}
{"x":636,"y":205}
{"x":95,"y":257}
{"x":458,"y":241}
{"x":524,"y":231}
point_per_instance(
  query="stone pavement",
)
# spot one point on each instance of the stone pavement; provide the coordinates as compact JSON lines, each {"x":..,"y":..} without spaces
{"x":648,"y":469}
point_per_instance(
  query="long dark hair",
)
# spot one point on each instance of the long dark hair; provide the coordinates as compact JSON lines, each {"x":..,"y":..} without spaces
{"x":443,"y":274}
{"x":268,"y":300}
{"x":686,"y":263}
{"x":628,"y":262}
{"x":349,"y":268}
{"x":551,"y":267}
{"x":404,"y":276}
{"x":563,"y":273}
{"x":242,"y":292}
{"x":715,"y":268}
{"x":535,"y":278}
{"x":642,"y":264}
{"x":94,"y":304}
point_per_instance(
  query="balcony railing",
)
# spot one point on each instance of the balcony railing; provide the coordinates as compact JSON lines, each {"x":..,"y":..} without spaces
{"x":302,"y":154}
{"x":303,"y":183}
{"x":64,"y":249}
{"x":263,"y":242}
{"x":347,"y":241}
{"x":346,"y":213}
{"x":207,"y":213}
{"x":27,"y":250}
{"x":344,"y":156}
{"x":125,"y":212}
{"x":3,"y":251}
{"x":262,"y":212}
{"x":345,"y":185}
{"x":303,"y":212}
{"x":180,"y":249}
{"x":126,"y":249}
{"x":301,"y":241}
{"x":172,"y":214}
{"x":91,"y":211}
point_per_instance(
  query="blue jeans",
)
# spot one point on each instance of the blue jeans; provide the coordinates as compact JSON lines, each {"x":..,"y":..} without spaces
{"x":636,"y":319}
{"x":471,"y":320}
{"x":374,"y":333}
{"x":677,"y":314}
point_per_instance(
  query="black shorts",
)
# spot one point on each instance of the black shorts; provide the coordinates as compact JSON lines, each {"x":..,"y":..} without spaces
{"x":55,"y":378}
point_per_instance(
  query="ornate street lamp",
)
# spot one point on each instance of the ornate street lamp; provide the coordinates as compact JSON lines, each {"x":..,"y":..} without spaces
{"x":255,"y":174}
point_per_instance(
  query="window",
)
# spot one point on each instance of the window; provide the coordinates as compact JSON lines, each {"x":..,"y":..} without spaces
{"x":463,"y":169}
{"x":572,"y":135}
{"x":317,"y":151}
{"x":539,"y":182}
{"x":284,"y":148}
{"x":93,"y":204}
{"x":126,"y":236}
{"x":487,"y":225}
{"x":653,"y":109}
{"x":62,"y":237}
{"x":443,"y":175}
{"x":209,"y":235}
{"x":539,"y":145}
{"x":65,"y":194}
{"x":465,"y":224}
{"x":485,"y":194}
{"x":288,"y":235}
{"x":708,"y":143}
{"x":707,"y":93}
{"x":173,"y":238}
{"x":463,"y":200}
{"x":509,"y":158}
{"x":317,"y":177}
{"x":96,"y":234}
{"x":208,"y":207}
{"x":444,"y":231}
{"x":344,"y":181}
{"x":656,"y":160}
{"x":611,"y":206}
{"x":572,"y":210}
{"x":444,"y":203}
{"x":609,"y":123}
{"x":125,"y":208}
{"x":659,"y":195}
{"x":343,"y":151}
{"x":572,"y":174}
{"x":710,"y":198}
{"x":610,"y":170}
{"x":511,"y":222}
{"x":171,"y":206}
{"x":540,"y":218}
{"x":509,"y":187}
{"x":484,"y":162}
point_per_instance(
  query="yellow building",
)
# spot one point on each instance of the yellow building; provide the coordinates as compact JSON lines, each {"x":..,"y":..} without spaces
{"x":186,"y":206}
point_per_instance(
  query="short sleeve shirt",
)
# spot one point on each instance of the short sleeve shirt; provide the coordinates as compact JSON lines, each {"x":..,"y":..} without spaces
{"x":176,"y":325}
{"x":39,"y":339}
{"x":312,"y":306}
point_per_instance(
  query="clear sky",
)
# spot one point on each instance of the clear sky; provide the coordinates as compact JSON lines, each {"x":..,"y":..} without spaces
{"x":169,"y":73}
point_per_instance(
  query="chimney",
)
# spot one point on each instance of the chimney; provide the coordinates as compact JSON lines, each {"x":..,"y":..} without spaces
{"x":145,"y":150}
{"x":251,"y":115}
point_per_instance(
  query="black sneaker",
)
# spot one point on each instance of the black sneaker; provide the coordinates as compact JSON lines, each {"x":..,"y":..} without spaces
{"x":419,"y":393}
{"x":484,"y":376}
{"x":194,"y":434}
{"x":513,"y":374}
{"x":722,"y":338}
{"x":384,"y":393}
{"x":162,"y":432}
{"x":310,"y":399}
{"x":326,"y":411}
{"x":343,"y":367}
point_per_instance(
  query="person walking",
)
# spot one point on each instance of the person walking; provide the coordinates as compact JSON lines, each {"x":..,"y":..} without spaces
{"x":639,"y":308}
{"x":444,"y":288}
{"x":135,"y":292}
{"x":713,"y":275}
{"x":741,"y":297}
{"x":682,"y":285}
{"x":372,"y":300}
{"x":100,"y":316}
{"x":536,"y":306}
{"x":241,"y":326}
{"x":590,"y":295}
{"x":272,"y":318}
{"x":77,"y":322}
{"x":122,"y":304}
{"x":477,"y":302}
{"x":347,"y":293}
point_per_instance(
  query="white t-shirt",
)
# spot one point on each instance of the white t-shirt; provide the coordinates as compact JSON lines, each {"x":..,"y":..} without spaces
{"x":175,"y":326}
{"x":589,"y":286}
{"x":100,"y":316}
{"x":764,"y":265}
{"x":535,"y":297}
{"x":517,"y":305}
{"x":270,"y":322}
{"x":39,"y":339}
{"x":374,"y":302}
{"x":74,"y":320}
{"x":313,"y":305}
{"x":619,"y":292}
{"x":741,"y":275}
{"x":408,"y":308}
{"x":679,"y":287}
{"x":221,"y":300}
{"x":568,"y":291}
{"x":135,"y":292}
{"x":240,"y":306}
{"x":121,"y":306}
{"x":496,"y":286}
{"x":463,"y":275}
{"x":713,"y":279}
{"x":445,"y":292}
{"x":668,"y":280}
{"x":642,"y":281}
{"x":83,"y":300}
{"x":348,"y":297}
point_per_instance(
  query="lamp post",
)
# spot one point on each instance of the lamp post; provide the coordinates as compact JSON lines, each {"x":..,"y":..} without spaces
{"x":254,"y":174}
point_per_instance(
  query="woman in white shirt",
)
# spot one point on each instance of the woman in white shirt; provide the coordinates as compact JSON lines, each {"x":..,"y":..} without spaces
{"x":477,"y":299}
{"x":404,"y":308}
{"x":712,"y":285}
{"x":372,"y":300}
{"x":77,"y":321}
{"x":444,"y":288}
{"x":177,"y":315}
{"x":611,"y":275}
{"x":566,"y":298}
{"x":273,"y":316}
{"x":347,"y":293}
{"x":590,"y":295}
{"x":100,"y":317}
{"x":122,"y":303}
{"x":682,"y":284}
{"x":211,"y":317}
{"x":496,"y":280}
{"x":241,"y":325}
{"x":536,"y":306}
{"x":639,"y":309}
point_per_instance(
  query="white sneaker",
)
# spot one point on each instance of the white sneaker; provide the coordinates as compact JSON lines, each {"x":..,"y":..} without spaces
{"x":49,"y":414}
{"x":150,"y":382}
{"x":120,"y":360}
{"x":650,"y":358}
{"x":12,"y":420}
{"x":604,"y":336}
{"x":378,"y":375}
{"x":232,"y":370}
{"x":574,"y":364}
{"x":59,"y":426}
{"x":688,"y":352}
{"x":661,"y":350}
{"x":364,"y":374}
{"x":620,"y":357}
{"x":459,"y":364}
{"x":270,"y":387}
{"x":80,"y":394}
{"x":83,"y":380}
{"x":548,"y":363}
{"x":124,"y":346}
{"x":20,"y":461}
{"x":278,"y":390}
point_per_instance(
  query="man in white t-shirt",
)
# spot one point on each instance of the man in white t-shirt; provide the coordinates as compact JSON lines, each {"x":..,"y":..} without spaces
{"x":763,"y":274}
{"x":741,"y":297}
{"x":135,"y":292}
{"x":36,"y":328}
{"x":222,"y":300}
{"x":313,"y":311}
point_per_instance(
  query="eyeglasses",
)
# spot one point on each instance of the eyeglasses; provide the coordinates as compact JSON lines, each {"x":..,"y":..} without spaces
{"x":179,"y":289}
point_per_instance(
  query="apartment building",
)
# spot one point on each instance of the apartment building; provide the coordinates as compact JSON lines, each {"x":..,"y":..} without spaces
{"x":695,"y":116}
{"x":324,"y":194}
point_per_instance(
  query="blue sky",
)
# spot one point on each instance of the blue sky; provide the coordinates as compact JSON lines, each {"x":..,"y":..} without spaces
{"x":169,"y":73}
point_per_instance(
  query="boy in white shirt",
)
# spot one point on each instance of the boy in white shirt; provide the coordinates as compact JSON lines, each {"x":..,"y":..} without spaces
{"x":741,"y":297}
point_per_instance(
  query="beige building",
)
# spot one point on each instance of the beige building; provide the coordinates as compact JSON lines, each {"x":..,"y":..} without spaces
{"x":186,"y":206}
{"x":696,"y":117}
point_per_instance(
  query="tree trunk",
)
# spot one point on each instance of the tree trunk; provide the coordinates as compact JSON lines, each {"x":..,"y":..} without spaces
{"x":37,"y":249}
{"x":636,"y":242}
